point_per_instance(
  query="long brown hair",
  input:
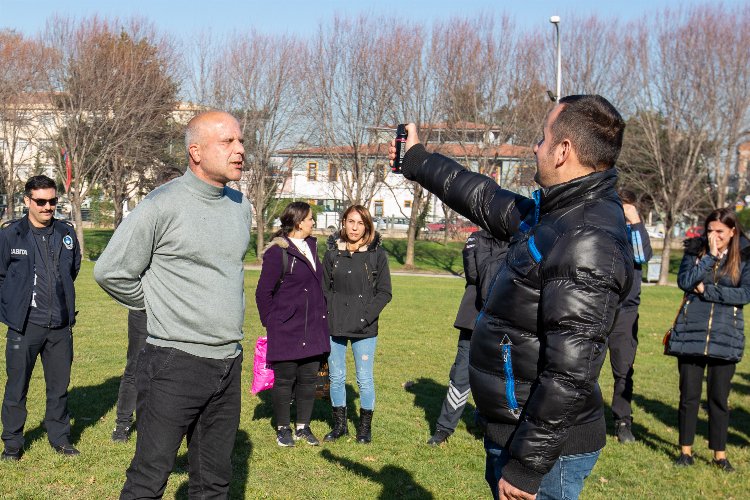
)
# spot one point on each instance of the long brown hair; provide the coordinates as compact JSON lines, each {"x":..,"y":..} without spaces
{"x":728,"y":217}
{"x":366,"y":218}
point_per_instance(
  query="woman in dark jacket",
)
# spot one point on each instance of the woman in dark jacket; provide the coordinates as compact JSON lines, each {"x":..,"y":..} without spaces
{"x":708,"y":333}
{"x":357,"y":283}
{"x":292,"y":307}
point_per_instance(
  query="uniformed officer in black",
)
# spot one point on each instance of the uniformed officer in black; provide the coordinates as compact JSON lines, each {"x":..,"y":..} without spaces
{"x":39,"y":260}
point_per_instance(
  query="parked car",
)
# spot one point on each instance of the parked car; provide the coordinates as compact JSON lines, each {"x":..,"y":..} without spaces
{"x":398,"y":223}
{"x":694,"y":231}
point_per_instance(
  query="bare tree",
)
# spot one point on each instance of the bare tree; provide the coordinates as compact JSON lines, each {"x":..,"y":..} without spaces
{"x":101,"y":98}
{"x":22,"y":63}
{"x":664,"y":155}
{"x":723,"y":47}
{"x":350,"y":91}
{"x":265,"y":92}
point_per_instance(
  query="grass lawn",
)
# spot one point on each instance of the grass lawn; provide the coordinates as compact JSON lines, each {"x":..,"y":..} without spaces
{"x":417,"y":344}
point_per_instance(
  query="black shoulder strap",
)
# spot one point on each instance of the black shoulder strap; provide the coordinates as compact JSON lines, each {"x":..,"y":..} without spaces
{"x":284,"y":264}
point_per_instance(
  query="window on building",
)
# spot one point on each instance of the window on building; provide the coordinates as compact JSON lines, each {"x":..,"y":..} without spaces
{"x":312,"y":171}
{"x":377,"y":206}
{"x":407,"y":203}
{"x":333,"y":171}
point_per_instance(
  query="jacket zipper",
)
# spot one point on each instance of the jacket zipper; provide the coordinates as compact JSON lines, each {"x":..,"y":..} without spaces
{"x":710,"y":315}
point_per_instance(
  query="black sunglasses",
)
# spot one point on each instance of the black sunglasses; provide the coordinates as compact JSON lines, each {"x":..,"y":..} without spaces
{"x":40,"y":202}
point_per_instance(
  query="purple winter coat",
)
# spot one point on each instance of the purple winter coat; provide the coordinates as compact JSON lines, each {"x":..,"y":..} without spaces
{"x":295,"y":317}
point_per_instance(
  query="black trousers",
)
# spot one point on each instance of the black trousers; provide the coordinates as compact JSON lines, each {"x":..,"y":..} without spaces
{"x":299,"y":375}
{"x":126,"y":397}
{"x":184,"y":395}
{"x":623,"y":343}
{"x":55,"y":345}
{"x":458,"y":387}
{"x":719,"y":378}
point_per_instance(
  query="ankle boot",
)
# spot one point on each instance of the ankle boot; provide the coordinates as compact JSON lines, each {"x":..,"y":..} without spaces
{"x":364,"y":430}
{"x":339,"y":424}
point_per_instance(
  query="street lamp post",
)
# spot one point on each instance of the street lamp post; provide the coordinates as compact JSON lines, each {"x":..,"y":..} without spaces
{"x":556,"y":21}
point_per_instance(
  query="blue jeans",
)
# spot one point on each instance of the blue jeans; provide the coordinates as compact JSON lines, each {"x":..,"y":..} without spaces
{"x":364,"y":358}
{"x":564,"y":481}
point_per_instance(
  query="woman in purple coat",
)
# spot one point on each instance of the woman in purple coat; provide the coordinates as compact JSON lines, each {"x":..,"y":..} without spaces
{"x":293,"y":310}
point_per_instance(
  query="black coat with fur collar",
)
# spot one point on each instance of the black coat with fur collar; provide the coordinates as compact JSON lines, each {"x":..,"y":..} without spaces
{"x":711,"y":323}
{"x":357,"y":287}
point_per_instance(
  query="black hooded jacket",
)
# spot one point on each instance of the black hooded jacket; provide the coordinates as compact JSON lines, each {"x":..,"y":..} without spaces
{"x":540,"y":341}
{"x":357,"y":287}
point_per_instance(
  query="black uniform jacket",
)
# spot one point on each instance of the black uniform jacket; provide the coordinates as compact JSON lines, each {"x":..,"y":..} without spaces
{"x":540,"y":341}
{"x":17,"y":268}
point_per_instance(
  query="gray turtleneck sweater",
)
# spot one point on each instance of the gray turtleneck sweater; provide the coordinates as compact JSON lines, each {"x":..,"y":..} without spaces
{"x":179,"y":255}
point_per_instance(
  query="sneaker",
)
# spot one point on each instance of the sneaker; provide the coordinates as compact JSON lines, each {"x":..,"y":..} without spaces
{"x":121,"y":434}
{"x":440,"y":437}
{"x":284,"y":437}
{"x":306,"y":434}
{"x":623,"y":432}
{"x":12,"y":454}
{"x":684,"y":460}
{"x":67,"y":450}
{"x":723,"y":464}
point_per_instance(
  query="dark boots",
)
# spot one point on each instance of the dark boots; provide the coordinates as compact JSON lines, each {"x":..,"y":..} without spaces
{"x":364,"y":431}
{"x":339,"y":424}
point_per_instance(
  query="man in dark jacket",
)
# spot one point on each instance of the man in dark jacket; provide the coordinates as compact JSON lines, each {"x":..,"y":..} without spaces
{"x":482,"y":255}
{"x":39,"y":260}
{"x":623,"y":341}
{"x":540,"y":341}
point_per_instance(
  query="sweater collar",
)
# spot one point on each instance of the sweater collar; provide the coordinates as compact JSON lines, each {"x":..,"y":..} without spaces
{"x":202,"y":188}
{"x":589,"y":187}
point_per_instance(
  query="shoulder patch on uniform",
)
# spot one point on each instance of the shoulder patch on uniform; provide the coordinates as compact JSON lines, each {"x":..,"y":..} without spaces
{"x":68,"y":242}
{"x":8,"y":223}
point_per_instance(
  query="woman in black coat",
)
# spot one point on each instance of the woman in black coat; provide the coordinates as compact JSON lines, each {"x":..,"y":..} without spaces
{"x":357,"y":283}
{"x":709,"y":332}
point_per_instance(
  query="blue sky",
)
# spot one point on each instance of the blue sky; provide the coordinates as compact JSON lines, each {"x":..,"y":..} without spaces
{"x":302,"y":17}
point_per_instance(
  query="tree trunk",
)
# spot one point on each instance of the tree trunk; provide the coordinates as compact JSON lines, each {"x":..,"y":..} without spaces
{"x":260,"y":224}
{"x":411,"y":235}
{"x":75,"y":212}
{"x":666,"y":251}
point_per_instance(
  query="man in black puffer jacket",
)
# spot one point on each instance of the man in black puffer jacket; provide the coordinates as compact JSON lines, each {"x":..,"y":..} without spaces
{"x":540,"y":341}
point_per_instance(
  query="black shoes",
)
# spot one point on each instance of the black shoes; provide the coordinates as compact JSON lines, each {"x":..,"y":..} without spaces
{"x":623,"y":432}
{"x":284,"y":437}
{"x":121,"y":434}
{"x":684,"y":460}
{"x":340,"y":427}
{"x":440,"y":437}
{"x":67,"y":450}
{"x":12,"y":454}
{"x":364,"y":430}
{"x":306,"y":435}
{"x":723,"y":464}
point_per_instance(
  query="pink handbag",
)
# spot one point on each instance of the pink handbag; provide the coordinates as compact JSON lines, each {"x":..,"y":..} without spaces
{"x":262,"y":373}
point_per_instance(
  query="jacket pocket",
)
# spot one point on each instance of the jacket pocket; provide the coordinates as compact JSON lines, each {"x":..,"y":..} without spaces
{"x":287,"y":313}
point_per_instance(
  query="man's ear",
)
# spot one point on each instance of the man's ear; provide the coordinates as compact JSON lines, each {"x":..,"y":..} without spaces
{"x":563,"y":152}
{"x":195,"y":153}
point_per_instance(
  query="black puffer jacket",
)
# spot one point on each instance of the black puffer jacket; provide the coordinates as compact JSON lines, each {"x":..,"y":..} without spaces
{"x":540,"y":341}
{"x":357,"y":287}
{"x":711,"y":324}
{"x":482,"y":255}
